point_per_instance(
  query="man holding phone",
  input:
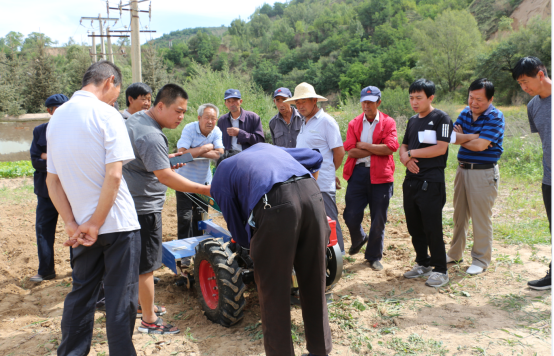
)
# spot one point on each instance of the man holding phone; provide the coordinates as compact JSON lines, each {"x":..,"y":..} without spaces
{"x":202,"y":139}
{"x":148,"y":177}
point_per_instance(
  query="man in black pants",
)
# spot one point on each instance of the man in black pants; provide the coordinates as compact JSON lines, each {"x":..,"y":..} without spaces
{"x":533,"y":78}
{"x":47,"y":215}
{"x":424,"y":189}
{"x":272,"y":204}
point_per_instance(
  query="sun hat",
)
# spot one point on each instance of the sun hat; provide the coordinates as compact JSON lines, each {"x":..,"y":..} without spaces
{"x":305,"y":91}
{"x":370,"y":94}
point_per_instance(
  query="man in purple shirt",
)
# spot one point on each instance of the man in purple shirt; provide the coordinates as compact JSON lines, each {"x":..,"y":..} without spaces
{"x":241,"y":128}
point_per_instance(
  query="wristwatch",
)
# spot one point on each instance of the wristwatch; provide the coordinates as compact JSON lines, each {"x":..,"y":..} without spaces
{"x":410,"y":153}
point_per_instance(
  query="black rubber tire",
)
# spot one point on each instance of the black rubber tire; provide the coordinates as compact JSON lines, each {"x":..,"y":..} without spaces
{"x":334,"y":266}
{"x":228,"y":274}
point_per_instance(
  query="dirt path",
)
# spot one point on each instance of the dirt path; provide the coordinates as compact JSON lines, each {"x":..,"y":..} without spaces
{"x":374,"y":313}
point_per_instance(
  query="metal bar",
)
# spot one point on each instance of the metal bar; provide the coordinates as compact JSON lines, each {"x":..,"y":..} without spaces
{"x":117,"y":8}
{"x":109,"y":36}
{"x":130,"y":31}
{"x":96,"y":18}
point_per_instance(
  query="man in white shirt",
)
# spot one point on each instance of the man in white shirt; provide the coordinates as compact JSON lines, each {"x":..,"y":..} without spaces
{"x":88,"y":190}
{"x":320,"y":131}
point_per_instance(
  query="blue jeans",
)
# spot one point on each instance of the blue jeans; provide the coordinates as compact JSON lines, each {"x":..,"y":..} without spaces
{"x":359,"y":194}
{"x":45,"y":226}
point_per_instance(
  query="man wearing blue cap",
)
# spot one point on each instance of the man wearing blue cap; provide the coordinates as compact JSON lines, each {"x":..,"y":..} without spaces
{"x":47,"y":215}
{"x":371,"y":140}
{"x":240,"y":128}
{"x":285,"y":126}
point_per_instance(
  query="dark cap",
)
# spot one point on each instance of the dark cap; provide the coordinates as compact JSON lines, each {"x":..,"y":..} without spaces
{"x":56,"y":100}
{"x":370,"y":94}
{"x":285,"y":92}
{"x":231,"y":93}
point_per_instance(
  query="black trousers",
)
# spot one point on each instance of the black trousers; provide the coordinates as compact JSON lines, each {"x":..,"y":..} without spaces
{"x":359,"y":194}
{"x":45,"y":226}
{"x":293,"y":232}
{"x":423,"y":211}
{"x":547,"y":199}
{"x":188,"y":216}
{"x":114,"y":258}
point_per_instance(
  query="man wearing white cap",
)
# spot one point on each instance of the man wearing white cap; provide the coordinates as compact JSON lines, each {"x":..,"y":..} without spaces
{"x":320,"y":131}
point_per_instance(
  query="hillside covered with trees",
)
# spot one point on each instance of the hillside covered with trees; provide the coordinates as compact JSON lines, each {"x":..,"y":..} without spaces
{"x":338,"y":46}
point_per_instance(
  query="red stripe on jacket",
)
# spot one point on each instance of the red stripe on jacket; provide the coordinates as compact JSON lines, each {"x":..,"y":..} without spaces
{"x":382,"y":167}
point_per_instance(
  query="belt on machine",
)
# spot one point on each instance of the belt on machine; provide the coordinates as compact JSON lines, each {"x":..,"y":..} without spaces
{"x":294,"y":179}
{"x":476,"y":166}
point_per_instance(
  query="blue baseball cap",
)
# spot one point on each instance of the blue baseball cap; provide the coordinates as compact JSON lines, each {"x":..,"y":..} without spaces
{"x":231,"y":93}
{"x":370,"y":94}
{"x":285,"y":92}
{"x":56,"y":100}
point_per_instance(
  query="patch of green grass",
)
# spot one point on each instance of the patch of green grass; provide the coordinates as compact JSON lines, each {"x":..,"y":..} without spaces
{"x":416,"y":344}
{"x":16,"y":169}
{"x":509,"y":302}
{"x":17,"y":195}
{"x":530,"y":232}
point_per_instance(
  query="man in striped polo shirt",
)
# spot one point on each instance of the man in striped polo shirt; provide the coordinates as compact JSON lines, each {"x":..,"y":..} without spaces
{"x":202,"y":139}
{"x":479,"y":131}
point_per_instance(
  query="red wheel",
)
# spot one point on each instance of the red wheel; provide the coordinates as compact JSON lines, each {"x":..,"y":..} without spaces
{"x":208,"y":284}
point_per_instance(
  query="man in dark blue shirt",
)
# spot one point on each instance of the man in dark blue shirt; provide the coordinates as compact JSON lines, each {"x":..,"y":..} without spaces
{"x":47,"y":215}
{"x":272,"y":204}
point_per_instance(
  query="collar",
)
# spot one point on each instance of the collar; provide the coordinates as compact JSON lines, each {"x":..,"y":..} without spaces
{"x":85,"y":93}
{"x":145,"y":112}
{"x":241,"y":117}
{"x":376,"y":120}
{"x":292,"y":115}
{"x":200,"y":131}
{"x":485,"y":113}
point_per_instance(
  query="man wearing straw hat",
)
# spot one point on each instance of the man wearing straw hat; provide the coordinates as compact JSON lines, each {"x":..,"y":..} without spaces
{"x":320,"y":131}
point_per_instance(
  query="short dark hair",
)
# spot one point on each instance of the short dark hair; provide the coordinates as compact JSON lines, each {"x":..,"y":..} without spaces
{"x":135,"y":90}
{"x":480,"y":84}
{"x":169,"y":93}
{"x":100,"y":71}
{"x":226,"y":154}
{"x":529,"y":66}
{"x":424,"y":85}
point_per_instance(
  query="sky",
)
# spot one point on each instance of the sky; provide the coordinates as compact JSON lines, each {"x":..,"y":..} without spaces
{"x":59,"y":19}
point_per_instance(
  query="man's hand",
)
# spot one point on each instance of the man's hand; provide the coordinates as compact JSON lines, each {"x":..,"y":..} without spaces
{"x":85,"y":234}
{"x":337,"y":183}
{"x":404,"y":158}
{"x":458,"y":129}
{"x":43,"y":156}
{"x":208,"y":147}
{"x":70,"y":229}
{"x":412,"y":166}
{"x":233,"y":131}
{"x":178,"y":165}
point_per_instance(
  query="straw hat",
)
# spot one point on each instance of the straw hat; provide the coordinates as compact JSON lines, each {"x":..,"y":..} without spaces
{"x":305,"y":91}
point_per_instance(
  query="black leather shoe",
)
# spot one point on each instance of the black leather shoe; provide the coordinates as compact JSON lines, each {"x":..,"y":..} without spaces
{"x":355,"y":249}
{"x":156,"y":280}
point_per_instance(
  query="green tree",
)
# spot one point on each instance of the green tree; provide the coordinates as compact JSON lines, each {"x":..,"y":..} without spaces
{"x":204,"y":46}
{"x":43,"y":81}
{"x":14,"y":40}
{"x":153,"y":69}
{"x":266,"y":75}
{"x":448,"y":48}
{"x":373,"y":13}
{"x":78,"y":62}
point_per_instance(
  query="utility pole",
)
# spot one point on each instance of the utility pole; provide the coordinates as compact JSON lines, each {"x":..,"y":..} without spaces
{"x":136,"y":61}
{"x":93,"y":48}
{"x":102,"y":47}
{"x":110,"y":50}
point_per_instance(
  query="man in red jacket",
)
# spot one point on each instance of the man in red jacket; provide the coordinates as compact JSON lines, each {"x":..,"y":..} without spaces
{"x":371,"y":140}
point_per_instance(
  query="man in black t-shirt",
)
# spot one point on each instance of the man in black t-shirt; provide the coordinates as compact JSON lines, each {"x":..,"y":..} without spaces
{"x":424,"y":152}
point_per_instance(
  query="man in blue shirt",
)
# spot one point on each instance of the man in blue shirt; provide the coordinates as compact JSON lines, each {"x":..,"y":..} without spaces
{"x":202,"y":139}
{"x":480,"y":131}
{"x":46,"y":215}
{"x":272,"y":204}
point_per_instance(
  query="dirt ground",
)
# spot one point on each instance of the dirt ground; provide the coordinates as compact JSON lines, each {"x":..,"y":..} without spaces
{"x":373,"y":313}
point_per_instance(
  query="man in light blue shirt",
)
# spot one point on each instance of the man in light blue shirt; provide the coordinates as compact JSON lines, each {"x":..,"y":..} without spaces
{"x":203,"y":140}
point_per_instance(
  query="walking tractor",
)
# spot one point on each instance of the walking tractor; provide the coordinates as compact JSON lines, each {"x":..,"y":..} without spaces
{"x":220,"y":269}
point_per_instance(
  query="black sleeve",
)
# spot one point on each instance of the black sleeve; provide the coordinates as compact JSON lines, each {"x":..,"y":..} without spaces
{"x":38,"y":163}
{"x":444,"y":128}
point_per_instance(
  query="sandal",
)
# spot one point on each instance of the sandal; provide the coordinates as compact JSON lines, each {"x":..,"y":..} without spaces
{"x":157,"y":327}
{"x":160,"y":310}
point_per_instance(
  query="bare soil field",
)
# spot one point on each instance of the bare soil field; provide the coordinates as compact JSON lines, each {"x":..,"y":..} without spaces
{"x":373,"y":313}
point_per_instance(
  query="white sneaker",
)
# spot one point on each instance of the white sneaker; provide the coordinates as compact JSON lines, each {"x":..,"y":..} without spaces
{"x":473,"y":269}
